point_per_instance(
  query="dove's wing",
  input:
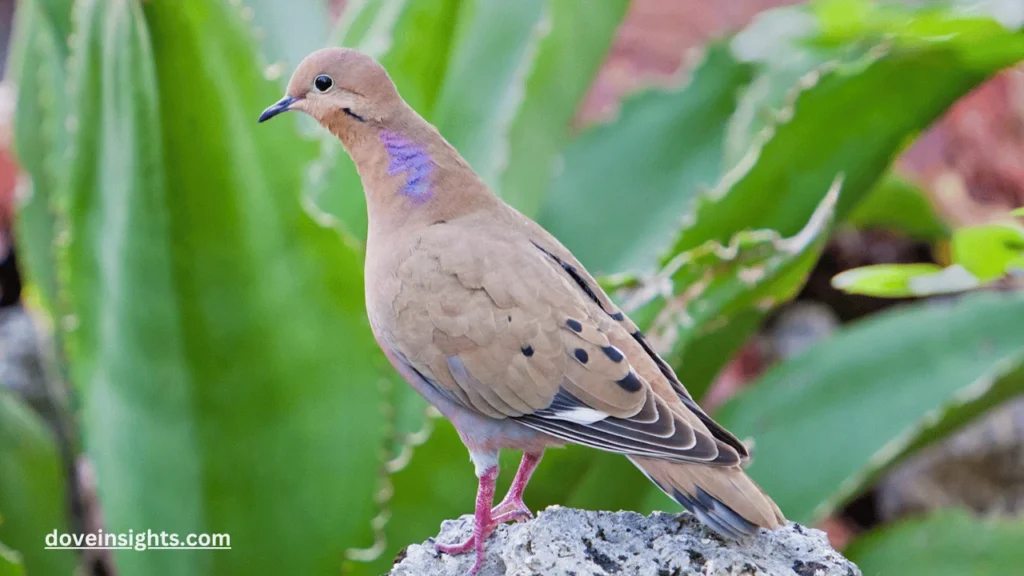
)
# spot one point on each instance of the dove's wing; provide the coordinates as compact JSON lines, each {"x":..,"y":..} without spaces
{"x":504,"y":326}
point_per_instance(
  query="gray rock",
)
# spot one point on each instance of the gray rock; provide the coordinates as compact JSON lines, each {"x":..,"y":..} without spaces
{"x":569,"y":542}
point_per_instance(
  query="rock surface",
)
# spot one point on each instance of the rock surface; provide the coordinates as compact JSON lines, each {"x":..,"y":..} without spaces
{"x":568,"y":542}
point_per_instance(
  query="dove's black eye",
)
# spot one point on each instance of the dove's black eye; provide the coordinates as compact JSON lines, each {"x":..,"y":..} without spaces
{"x":323,"y":83}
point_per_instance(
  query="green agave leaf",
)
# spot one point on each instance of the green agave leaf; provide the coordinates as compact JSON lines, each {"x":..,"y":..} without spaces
{"x":10,"y":562}
{"x":843,"y":21}
{"x":567,"y":59}
{"x":851,"y":405}
{"x":827,"y":129}
{"x":793,"y":41}
{"x":32,"y":492}
{"x":493,"y":51}
{"x":37,"y":65}
{"x":898,"y":204}
{"x":947,"y":543}
{"x":57,"y":14}
{"x":625,"y":185}
{"x":412,"y":39}
{"x":1018,"y":212}
{"x":218,"y":342}
{"x":849,"y":118}
{"x":778,"y":43}
{"x":288,"y":31}
{"x":701,"y":292}
{"x":359,"y":17}
{"x":987,"y":395}
{"x":988,"y":251}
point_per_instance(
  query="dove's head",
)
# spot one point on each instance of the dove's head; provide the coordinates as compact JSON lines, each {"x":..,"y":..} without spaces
{"x":338,"y":87}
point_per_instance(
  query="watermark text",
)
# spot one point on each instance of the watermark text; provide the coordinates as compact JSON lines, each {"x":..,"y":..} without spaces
{"x":140,"y":541}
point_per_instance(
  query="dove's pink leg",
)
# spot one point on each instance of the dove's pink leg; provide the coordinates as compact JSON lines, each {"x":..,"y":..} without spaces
{"x":483,"y":522}
{"x":512,"y":506}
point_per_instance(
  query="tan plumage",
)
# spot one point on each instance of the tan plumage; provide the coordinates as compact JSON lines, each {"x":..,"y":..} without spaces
{"x":497,"y":324}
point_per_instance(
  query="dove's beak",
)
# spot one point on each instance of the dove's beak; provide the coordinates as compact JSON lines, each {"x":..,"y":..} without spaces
{"x":282,"y":105}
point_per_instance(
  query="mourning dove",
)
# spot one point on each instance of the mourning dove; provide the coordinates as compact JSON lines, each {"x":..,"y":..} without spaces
{"x":498,"y":326}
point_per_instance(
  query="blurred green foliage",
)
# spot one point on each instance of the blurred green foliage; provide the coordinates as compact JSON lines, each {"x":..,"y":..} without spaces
{"x":33,"y":493}
{"x":946,"y":544}
{"x":205,"y":275}
{"x":10,"y":562}
{"x":898,"y":205}
{"x":859,"y":398}
{"x":980,"y":255}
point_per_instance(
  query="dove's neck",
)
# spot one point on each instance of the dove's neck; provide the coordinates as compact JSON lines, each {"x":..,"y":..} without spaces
{"x":412,"y":176}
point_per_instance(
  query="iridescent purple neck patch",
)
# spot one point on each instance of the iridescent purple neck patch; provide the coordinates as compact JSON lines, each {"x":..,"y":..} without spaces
{"x":411,"y":160}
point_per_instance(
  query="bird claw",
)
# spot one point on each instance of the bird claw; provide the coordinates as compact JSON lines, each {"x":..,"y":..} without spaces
{"x":511,"y":510}
{"x":462,"y":548}
{"x":518,"y":515}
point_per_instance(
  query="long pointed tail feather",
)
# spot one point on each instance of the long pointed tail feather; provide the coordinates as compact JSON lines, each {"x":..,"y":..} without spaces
{"x":723,"y":498}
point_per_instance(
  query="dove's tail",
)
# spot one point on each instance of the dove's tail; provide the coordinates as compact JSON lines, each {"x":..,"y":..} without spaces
{"x":723,"y":498}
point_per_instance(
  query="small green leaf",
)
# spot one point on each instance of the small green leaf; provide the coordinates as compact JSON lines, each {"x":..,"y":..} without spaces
{"x":853,"y":403}
{"x":1018,"y":212}
{"x":33,"y":496}
{"x":988,"y":251}
{"x":946,"y":543}
{"x":887,"y":280}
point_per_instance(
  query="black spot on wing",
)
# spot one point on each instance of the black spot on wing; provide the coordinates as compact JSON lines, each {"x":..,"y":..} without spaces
{"x":630,"y":383}
{"x":663,"y":366}
{"x":618,"y":316}
{"x":527,"y":350}
{"x":581,"y":355}
{"x":574,"y":325}
{"x":613,"y":353}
